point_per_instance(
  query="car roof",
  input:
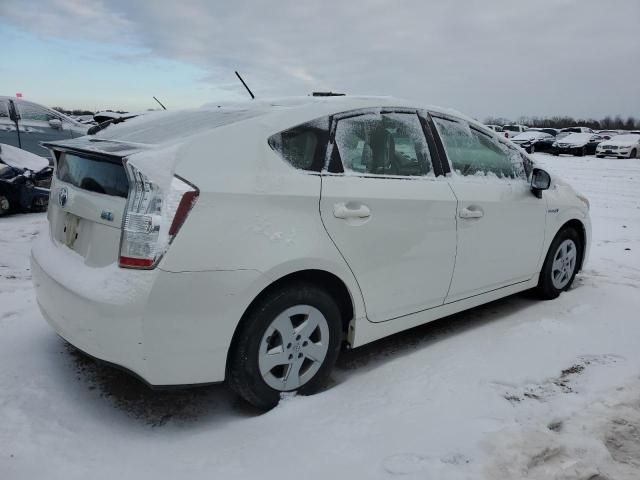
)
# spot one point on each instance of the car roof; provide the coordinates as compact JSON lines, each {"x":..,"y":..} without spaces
{"x":264,"y":116}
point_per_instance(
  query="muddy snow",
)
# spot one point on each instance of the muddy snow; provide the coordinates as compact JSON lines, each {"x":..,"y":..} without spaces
{"x":511,"y":390}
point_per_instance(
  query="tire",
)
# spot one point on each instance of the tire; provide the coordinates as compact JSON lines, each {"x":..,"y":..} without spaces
{"x":277,"y":322}
{"x":5,"y":206}
{"x":556,"y":154}
{"x":560,"y":265}
{"x":580,"y":153}
{"x":600,"y":156}
{"x":633,"y":154}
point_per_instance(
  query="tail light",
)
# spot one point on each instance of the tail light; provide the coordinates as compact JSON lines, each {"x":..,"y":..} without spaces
{"x":152,"y":218}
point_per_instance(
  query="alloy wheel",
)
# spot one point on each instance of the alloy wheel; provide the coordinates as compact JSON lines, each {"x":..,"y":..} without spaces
{"x":293,"y":347}
{"x":564,"y":264}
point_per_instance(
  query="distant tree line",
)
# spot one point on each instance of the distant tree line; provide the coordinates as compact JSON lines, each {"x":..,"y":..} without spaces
{"x":607,"y":123}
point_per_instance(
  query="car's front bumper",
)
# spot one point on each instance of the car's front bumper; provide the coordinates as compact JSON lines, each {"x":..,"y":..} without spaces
{"x":176,"y":332}
{"x":615,"y":154}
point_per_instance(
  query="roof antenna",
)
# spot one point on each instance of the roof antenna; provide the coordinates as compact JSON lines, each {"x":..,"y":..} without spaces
{"x":245,"y":86}
{"x":163,"y":107}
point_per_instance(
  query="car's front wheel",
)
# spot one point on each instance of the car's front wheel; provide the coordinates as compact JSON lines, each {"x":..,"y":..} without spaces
{"x":561,"y":264}
{"x":633,"y":154}
{"x":288,"y":342}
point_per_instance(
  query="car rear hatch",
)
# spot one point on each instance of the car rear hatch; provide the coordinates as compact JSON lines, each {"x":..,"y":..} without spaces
{"x":88,"y":200}
{"x":103,"y":208}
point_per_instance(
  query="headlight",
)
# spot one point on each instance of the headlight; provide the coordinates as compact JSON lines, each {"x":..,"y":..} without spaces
{"x":555,"y":144}
{"x":584,"y":200}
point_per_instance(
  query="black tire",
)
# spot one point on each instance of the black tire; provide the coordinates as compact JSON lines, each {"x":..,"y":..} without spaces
{"x":556,"y":154}
{"x":5,"y":205}
{"x":243,"y":373}
{"x":580,"y":153}
{"x":633,"y":154}
{"x":600,"y":156}
{"x":546,"y":289}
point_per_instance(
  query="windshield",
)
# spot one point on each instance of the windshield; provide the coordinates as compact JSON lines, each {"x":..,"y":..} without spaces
{"x":578,"y":138}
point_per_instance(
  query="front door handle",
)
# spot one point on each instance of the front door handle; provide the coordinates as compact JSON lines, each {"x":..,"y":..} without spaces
{"x":343,"y":210}
{"x":471,"y":213}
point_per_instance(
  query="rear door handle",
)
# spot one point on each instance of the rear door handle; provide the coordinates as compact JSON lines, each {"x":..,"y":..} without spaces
{"x":473,"y":212}
{"x":342,"y":210}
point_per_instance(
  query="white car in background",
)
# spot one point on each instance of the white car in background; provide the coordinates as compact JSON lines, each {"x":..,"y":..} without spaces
{"x":620,"y":146}
{"x":511,"y":131}
{"x":248,"y":244}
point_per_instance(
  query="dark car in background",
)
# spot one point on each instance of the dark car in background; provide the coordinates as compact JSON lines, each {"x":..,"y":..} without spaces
{"x":578,"y":144}
{"x":25,"y":124}
{"x":534,"y":141}
{"x":549,"y":130}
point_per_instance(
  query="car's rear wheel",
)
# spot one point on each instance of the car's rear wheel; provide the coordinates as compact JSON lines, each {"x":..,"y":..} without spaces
{"x":5,"y":206}
{"x":561,"y":264}
{"x":288,"y":342}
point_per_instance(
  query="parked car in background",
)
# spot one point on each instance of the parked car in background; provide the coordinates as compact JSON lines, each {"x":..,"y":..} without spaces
{"x":511,"y":131}
{"x":578,"y":144}
{"x":576,"y":130}
{"x":25,"y":124}
{"x":620,"y":146}
{"x":25,"y":179}
{"x":534,"y":141}
{"x":495,"y":128}
{"x":608,"y":134}
{"x":255,"y":264}
{"x":550,"y":131}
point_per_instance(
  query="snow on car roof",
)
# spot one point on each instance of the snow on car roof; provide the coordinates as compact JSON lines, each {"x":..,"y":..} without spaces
{"x":577,"y":137}
{"x":166,"y":127}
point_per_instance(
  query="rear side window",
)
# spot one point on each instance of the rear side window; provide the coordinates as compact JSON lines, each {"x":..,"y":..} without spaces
{"x":474,"y":153}
{"x":4,"y":109}
{"x":383,"y":144}
{"x":303,"y":146}
{"x":99,"y":176}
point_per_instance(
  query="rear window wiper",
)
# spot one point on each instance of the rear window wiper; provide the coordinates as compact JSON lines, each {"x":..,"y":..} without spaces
{"x":101,"y":126}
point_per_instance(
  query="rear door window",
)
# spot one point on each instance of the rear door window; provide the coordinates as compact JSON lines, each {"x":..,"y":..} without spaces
{"x":383,"y":144}
{"x":100,"y":176}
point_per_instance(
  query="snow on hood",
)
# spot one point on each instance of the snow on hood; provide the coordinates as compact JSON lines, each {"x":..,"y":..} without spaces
{"x":577,"y":138}
{"x":529,"y":136}
{"x":624,"y":140}
{"x":17,"y":158}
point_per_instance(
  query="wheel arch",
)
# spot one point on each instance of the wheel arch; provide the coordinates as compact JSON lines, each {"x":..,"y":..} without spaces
{"x":333,"y":284}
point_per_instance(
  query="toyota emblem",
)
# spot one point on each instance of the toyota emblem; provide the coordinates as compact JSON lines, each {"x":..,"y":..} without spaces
{"x":62,"y":196}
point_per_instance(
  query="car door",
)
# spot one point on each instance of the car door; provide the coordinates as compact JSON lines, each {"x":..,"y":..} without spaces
{"x":8,"y":128}
{"x":39,"y":124}
{"x":389,"y":215}
{"x":501,"y":224}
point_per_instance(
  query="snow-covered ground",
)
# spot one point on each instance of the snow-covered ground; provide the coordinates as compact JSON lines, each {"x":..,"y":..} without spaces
{"x":514,"y":389}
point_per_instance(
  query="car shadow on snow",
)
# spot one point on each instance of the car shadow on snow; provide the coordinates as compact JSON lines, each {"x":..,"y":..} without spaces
{"x":206,"y":404}
{"x":155,"y":408}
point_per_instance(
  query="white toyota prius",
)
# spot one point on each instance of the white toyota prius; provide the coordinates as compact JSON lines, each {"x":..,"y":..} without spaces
{"x":248,"y":243}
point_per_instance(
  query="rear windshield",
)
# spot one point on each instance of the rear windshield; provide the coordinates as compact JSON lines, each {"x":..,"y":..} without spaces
{"x":99,"y":176}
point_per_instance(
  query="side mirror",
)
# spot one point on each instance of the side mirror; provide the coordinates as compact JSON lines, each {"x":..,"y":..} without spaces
{"x":540,"y":180}
{"x":55,"y":123}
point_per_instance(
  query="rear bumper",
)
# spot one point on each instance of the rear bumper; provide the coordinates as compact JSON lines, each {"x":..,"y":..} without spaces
{"x":175,"y":330}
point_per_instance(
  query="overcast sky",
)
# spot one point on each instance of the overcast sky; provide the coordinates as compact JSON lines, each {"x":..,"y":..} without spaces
{"x":490,"y":57}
